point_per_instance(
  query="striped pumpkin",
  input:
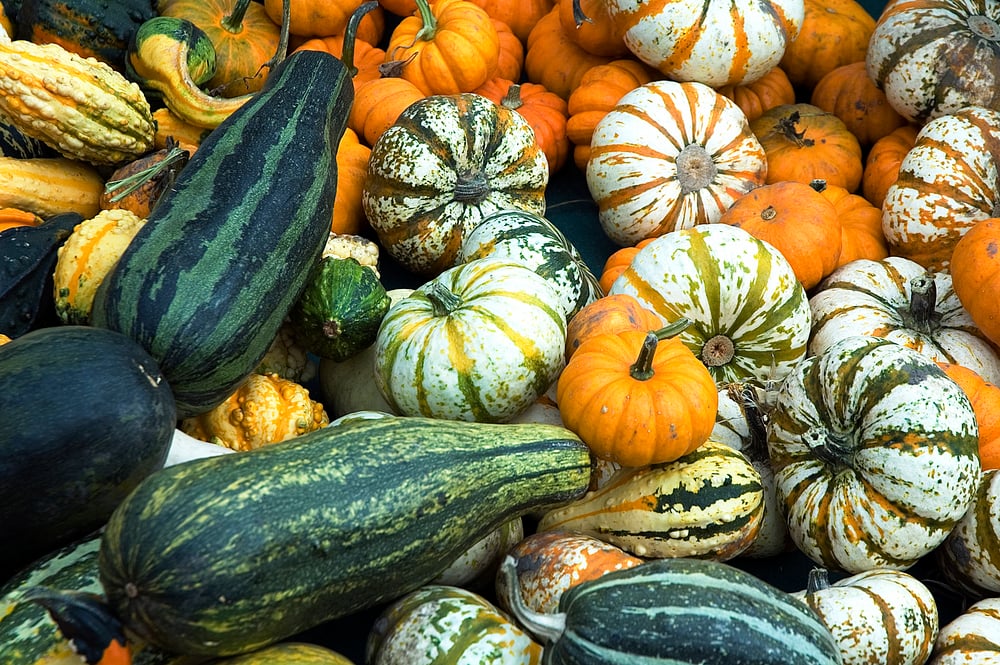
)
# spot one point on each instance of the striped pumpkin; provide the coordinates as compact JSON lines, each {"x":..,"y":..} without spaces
{"x":670,"y":156}
{"x":970,"y":556}
{"x":480,"y":342}
{"x":933,"y":57}
{"x":875,"y":454}
{"x":715,"y":43}
{"x":947,"y":182}
{"x":707,"y":504}
{"x":971,"y":637}
{"x":898,"y":299}
{"x":750,"y":315}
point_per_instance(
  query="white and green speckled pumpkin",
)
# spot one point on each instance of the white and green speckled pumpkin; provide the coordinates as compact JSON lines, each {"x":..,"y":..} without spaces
{"x":876,"y":616}
{"x":480,"y":342}
{"x":970,"y":555}
{"x":670,"y":156}
{"x":900,"y":300}
{"x":448,"y":625}
{"x":447,"y":163}
{"x":875,"y":454}
{"x":537,"y":243}
{"x":971,"y":638}
{"x":750,"y":315}
{"x":478,"y":565}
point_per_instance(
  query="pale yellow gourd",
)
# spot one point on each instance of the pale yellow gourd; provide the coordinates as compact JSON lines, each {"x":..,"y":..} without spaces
{"x":48,"y":186}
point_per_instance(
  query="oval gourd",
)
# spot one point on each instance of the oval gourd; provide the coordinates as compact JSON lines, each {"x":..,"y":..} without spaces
{"x":971,"y":637}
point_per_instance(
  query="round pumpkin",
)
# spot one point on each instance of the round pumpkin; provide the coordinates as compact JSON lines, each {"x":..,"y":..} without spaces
{"x":552,"y":59}
{"x":860,"y":221}
{"x":975,"y":275}
{"x":590,"y":25}
{"x":833,"y":33}
{"x":848,"y":93}
{"x":609,"y":314}
{"x":617,"y":261}
{"x":985,"y":399}
{"x":770,"y":90}
{"x":883,"y":161}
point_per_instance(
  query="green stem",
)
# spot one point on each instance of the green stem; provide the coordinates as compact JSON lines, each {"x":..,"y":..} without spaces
{"x":350,"y":34}
{"x":442,"y":298}
{"x":129,"y":184}
{"x":429,"y":28}
{"x":233,"y":22}
{"x":642,"y":368}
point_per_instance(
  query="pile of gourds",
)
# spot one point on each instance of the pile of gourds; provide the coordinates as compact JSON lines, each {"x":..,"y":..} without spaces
{"x":790,"y":350}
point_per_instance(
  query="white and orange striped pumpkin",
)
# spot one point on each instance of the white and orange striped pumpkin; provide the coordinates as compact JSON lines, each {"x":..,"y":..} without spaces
{"x":670,"y":156}
{"x":947,"y":182}
{"x":934,"y":57}
{"x":973,"y":637}
{"x":715,"y":43}
{"x":968,"y":557}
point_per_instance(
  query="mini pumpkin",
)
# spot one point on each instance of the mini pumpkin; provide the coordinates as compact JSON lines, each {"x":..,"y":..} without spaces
{"x":985,"y":399}
{"x":833,"y":33}
{"x":770,"y":90}
{"x":609,"y":314}
{"x":552,"y":59}
{"x":975,"y":275}
{"x":883,"y":161}
{"x":852,"y":96}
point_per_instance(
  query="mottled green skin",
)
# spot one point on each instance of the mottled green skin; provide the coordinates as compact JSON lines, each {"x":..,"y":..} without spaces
{"x":211,"y":276}
{"x":222,"y":555}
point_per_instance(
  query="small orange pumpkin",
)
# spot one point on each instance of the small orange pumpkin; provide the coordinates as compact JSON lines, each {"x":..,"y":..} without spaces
{"x":377,"y":105}
{"x":590,"y":25}
{"x":618,"y":261}
{"x":850,"y":94}
{"x":365,"y":58}
{"x":833,"y":33}
{"x":638,"y":398}
{"x":612,"y":313}
{"x":352,"y":167}
{"x":975,"y":275}
{"x":554,"y":60}
{"x":985,"y":398}
{"x":510,"y":61}
{"x":772,"y":89}
{"x":324,"y":18}
{"x":860,"y":221}
{"x":520,"y":15}
{"x":882,"y":164}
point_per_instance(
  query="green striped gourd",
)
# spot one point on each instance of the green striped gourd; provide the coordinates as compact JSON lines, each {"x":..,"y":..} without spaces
{"x":709,"y":504}
{"x":750,"y":315}
{"x":875,"y":454}
{"x":227,"y":554}
{"x":448,"y":625}
{"x":678,"y":612}
{"x":207,"y":282}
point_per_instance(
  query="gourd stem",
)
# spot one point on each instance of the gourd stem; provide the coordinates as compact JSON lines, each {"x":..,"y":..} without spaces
{"x":125,"y":186}
{"x":642,"y":368}
{"x":827,"y":447}
{"x":442,"y":298}
{"x":549,"y":627}
{"x":471,"y":187}
{"x":579,"y":17}
{"x":512,"y":99}
{"x":233,"y":21}
{"x":429,"y":28}
{"x":717,"y":351}
{"x":923,"y":301}
{"x":350,"y":35}
{"x":788,"y":126}
{"x":818,"y":580}
{"x":282,"y":49}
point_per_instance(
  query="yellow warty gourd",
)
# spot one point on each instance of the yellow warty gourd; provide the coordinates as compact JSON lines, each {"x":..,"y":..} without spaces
{"x":48,"y":186}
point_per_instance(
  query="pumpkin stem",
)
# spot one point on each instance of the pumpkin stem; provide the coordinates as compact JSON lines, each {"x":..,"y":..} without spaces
{"x":512,"y":99}
{"x":818,"y":184}
{"x":471,"y":187}
{"x":442,"y":298}
{"x":718,"y":351}
{"x":642,"y":368}
{"x":351,"y":32}
{"x":579,"y":17}
{"x":828,"y":447}
{"x":126,"y":186}
{"x":429,"y":28}
{"x":923,"y":302}
{"x":819,"y":579}
{"x":768,"y":213}
{"x":549,"y":627}
{"x":393,"y":68}
{"x":789,"y":127}
{"x":233,"y":21}
{"x":695,"y":168}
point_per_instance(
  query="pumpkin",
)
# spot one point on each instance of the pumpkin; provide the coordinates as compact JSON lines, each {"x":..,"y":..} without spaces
{"x":876,"y":616}
{"x":750,"y":315}
{"x":365,"y":57}
{"x":849,"y":94}
{"x":947,"y":183}
{"x":320,"y":18}
{"x":447,"y":163}
{"x":637,"y":397}
{"x":510,"y":60}
{"x":521,"y":16}
{"x":352,"y":168}
{"x":244,"y":36}
{"x":598,"y":91}
{"x":898,"y":300}
{"x":478,"y":342}
{"x":609,"y":314}
{"x":545,"y":111}
{"x":803,"y":143}
{"x":833,"y":33}
{"x":171,"y":130}
{"x":883,"y":161}
{"x":266,"y":409}
{"x":712,"y":43}
{"x":798,"y":221}
{"x":552,"y":59}
{"x":670,"y":156}
{"x":590,"y":25}
{"x":934,"y":57}
{"x":968,"y":556}
{"x":985,"y":399}
{"x":975,"y":270}
{"x":860,"y":221}
{"x":875,"y":454}
{"x":449,"y":47}
{"x":617,"y":261}
{"x":378,"y":104}
{"x":770,"y":90}
{"x":971,"y":637}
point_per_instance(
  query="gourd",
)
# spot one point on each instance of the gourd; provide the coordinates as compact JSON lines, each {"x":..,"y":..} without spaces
{"x":476,"y":568}
{"x":94,"y":113}
{"x":883,"y":162}
{"x":970,"y":637}
{"x":973,"y":269}
{"x":985,"y":398}
{"x":49,"y":186}
{"x":224,"y":272}
{"x":137,"y":185}
{"x":290,"y":653}
{"x":390,"y":502}
{"x":966,"y":557}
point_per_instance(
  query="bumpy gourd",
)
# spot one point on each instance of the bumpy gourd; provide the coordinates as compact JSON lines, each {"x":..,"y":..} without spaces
{"x":79,"y":106}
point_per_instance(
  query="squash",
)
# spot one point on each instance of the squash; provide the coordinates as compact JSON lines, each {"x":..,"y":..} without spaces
{"x":970,"y":637}
{"x":670,"y":156}
{"x":985,"y":399}
{"x":833,"y":33}
{"x":476,"y":568}
{"x":48,"y":186}
{"x":618,"y":261}
{"x":287,"y":653}
{"x":447,"y":163}
{"x":609,"y":314}
{"x":875,"y":454}
{"x":589,"y":24}
{"x":479,"y":342}
{"x":860,"y":222}
{"x":967,"y":558}
{"x":974,"y":270}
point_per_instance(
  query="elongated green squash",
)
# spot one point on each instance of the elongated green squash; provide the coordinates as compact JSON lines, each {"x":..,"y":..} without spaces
{"x":206,"y":284}
{"x":223,"y":555}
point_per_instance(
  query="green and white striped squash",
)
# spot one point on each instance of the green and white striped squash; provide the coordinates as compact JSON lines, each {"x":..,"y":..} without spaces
{"x":481,"y":341}
{"x":876,"y":616}
{"x":875,"y":454}
{"x":934,"y":57}
{"x":947,"y":182}
{"x":448,"y":625}
{"x":970,"y":555}
{"x":973,"y":637}
{"x":447,"y":163}
{"x":670,"y":156}
{"x":709,"y":504}
{"x":678,"y":612}
{"x":898,"y":299}
{"x":534,"y":241}
{"x":749,"y":314}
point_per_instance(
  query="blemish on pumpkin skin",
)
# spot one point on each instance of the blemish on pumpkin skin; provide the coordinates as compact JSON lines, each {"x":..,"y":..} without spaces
{"x":991,"y":249}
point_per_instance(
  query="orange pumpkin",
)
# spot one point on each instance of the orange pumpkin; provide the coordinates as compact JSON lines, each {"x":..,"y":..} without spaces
{"x":545,"y":111}
{"x":975,"y":275}
{"x":882,"y":164}
{"x":352,"y":166}
{"x":365,"y":58}
{"x":612,"y":313}
{"x":861,"y":223}
{"x":448,"y":47}
{"x":598,"y":91}
{"x":377,"y":105}
{"x":833,"y":33}
{"x":638,"y":398}
{"x":323,"y":18}
{"x":618,"y":261}
{"x":850,"y":94}
{"x":520,"y":15}
{"x":510,"y":61}
{"x":985,"y":398}
{"x":798,"y":221}
{"x":772,"y":89}
{"x":554,"y":60}
{"x":805,"y":143}
{"x":589,"y":25}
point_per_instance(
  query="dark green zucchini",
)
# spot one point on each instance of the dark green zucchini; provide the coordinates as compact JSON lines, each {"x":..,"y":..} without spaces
{"x":676,"y":611}
{"x":14,"y":143}
{"x":86,"y":416}
{"x":28,"y":256}
{"x":224,"y":555}
{"x":211,"y":276}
